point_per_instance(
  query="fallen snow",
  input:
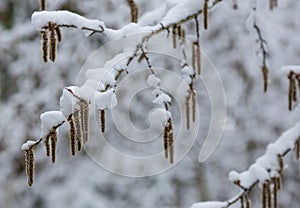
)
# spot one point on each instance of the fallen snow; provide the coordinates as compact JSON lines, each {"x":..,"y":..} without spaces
{"x":160,"y":116}
{"x":50,"y":119}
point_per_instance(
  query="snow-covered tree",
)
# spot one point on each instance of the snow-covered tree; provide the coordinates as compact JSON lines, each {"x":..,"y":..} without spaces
{"x":149,"y":93}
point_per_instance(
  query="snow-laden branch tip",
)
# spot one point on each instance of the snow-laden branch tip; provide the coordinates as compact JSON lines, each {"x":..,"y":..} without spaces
{"x":264,"y":169}
{"x":50,"y":120}
{"x":67,"y":19}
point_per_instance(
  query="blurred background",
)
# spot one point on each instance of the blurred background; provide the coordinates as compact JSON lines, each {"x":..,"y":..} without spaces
{"x":28,"y":87}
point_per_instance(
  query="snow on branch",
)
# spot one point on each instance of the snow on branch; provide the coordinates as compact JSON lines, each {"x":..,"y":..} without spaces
{"x":63,"y":18}
{"x":266,"y":172}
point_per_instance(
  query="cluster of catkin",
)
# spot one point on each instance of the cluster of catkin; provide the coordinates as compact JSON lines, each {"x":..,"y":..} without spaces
{"x":269,"y":193}
{"x":169,"y":141}
{"x":270,"y":188}
{"x":294,"y":80}
{"x":79,"y":127}
{"x":51,"y":34}
{"x":190,"y":103}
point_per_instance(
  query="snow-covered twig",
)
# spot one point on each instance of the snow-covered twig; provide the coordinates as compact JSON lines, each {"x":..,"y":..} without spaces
{"x":265,"y":172}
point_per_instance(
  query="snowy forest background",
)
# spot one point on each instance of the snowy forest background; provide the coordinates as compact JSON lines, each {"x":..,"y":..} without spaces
{"x":254,"y":118}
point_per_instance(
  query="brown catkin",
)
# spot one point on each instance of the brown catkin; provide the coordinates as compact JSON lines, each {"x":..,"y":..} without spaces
{"x":42,"y":5}
{"x":171,"y":140}
{"x":265,"y":72}
{"x":269,"y":196}
{"x":29,"y":164}
{"x":242,"y":201}
{"x":165,"y":138}
{"x":52,"y":48}
{"x":194,"y":102}
{"x":264,"y":200}
{"x":198,"y":58}
{"x":79,"y":145}
{"x":279,"y":183}
{"x":205,"y":14}
{"x":291,"y":92}
{"x":84,"y":112}
{"x":77,"y":125}
{"x":248,"y":202}
{"x":174,"y":36}
{"x":45,"y":45}
{"x":187,"y":110}
{"x":194,"y":57}
{"x":134,"y":10}
{"x":58,"y":33}
{"x":47,"y":145}
{"x":102,"y":120}
{"x":281,"y":163}
{"x":72,"y":135}
{"x":275,"y":192}
{"x":53,"y":144}
{"x":297,"y":149}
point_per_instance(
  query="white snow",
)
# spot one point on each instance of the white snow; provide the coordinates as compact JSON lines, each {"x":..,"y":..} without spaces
{"x":42,"y":18}
{"x":106,"y":99}
{"x":211,"y":204}
{"x":28,"y":144}
{"x":160,"y":116}
{"x":153,"y":81}
{"x":50,"y":119}
{"x":103,"y":75}
{"x":68,"y":102}
{"x":162,"y":99}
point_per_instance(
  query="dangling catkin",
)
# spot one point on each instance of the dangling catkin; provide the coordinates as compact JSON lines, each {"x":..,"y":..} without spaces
{"x":47,"y":145}
{"x":165,"y":138}
{"x":187,"y":110}
{"x":171,"y":140}
{"x":77,"y":125}
{"x":265,"y":72}
{"x":84,"y":112}
{"x":44,"y":35}
{"x":53,"y":43}
{"x":264,"y":199}
{"x":53,"y":144}
{"x":281,"y":163}
{"x":297,"y":149}
{"x":58,"y":33}
{"x":275,"y":192}
{"x":42,"y":5}
{"x":29,"y":164}
{"x":102,"y":120}
{"x":292,"y":88}
{"x":133,"y":10}
{"x":72,"y":135}
{"x":194,"y":102}
{"x":269,"y":195}
{"x":205,"y":14}
{"x":174,"y":36}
